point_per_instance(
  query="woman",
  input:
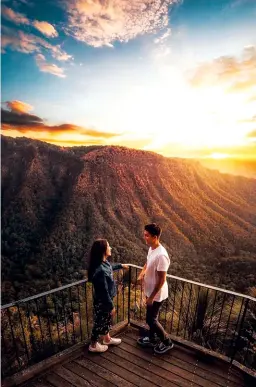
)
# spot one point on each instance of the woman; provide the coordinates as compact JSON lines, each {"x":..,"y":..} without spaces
{"x":100,"y":273}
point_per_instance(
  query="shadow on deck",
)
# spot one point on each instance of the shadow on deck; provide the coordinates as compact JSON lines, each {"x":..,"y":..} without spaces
{"x":129,"y":365}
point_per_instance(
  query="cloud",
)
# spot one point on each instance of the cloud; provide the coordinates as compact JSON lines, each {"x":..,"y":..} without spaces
{"x":19,"y":106}
{"x":67,"y":143}
{"x":12,"y":119}
{"x":252,"y":98}
{"x":252,"y":134}
{"x":13,"y":16}
{"x":163,"y":37}
{"x":15,"y":117}
{"x":102,"y":22}
{"x":32,"y":44}
{"x":235,"y":74}
{"x":44,"y":27}
{"x":46,"y":67}
{"x":237,"y":3}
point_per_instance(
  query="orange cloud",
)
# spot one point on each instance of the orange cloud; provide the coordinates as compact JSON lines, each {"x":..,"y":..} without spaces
{"x":74,"y":142}
{"x":19,"y":106}
{"x":235,"y":74}
{"x":100,"y":23}
{"x":252,"y":134}
{"x":243,"y":85}
{"x":17,"y":119}
{"x":45,"y":28}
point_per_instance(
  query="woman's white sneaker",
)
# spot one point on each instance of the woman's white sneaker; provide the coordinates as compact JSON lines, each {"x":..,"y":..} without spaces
{"x":113,"y":341}
{"x":98,"y":348}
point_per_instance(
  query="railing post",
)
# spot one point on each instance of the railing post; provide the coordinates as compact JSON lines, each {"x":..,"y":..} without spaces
{"x":129,"y":295}
{"x":239,"y":331}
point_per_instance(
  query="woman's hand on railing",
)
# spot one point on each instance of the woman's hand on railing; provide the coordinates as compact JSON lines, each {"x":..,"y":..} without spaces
{"x":124,"y":266}
{"x":113,"y":312}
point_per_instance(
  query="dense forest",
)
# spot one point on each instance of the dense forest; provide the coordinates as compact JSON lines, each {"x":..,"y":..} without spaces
{"x":56,"y":201}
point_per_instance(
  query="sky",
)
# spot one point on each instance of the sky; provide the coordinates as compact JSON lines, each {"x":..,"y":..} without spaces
{"x":177,"y":77}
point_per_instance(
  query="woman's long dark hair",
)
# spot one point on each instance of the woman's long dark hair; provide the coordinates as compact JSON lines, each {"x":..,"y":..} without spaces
{"x":98,"y":250}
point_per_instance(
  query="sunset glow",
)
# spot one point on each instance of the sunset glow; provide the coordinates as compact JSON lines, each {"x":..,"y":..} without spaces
{"x":142,"y":76}
{"x":218,"y":156}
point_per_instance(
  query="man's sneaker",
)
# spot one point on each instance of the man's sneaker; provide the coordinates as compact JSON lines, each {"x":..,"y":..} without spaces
{"x":163,"y":347}
{"x":146,"y":342}
{"x":98,"y":348}
{"x":113,"y":341}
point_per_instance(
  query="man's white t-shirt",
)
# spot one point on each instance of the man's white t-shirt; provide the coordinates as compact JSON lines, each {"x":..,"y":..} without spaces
{"x":157,"y":260}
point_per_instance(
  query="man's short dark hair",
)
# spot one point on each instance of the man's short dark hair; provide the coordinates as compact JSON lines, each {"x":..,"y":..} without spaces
{"x":153,"y":229}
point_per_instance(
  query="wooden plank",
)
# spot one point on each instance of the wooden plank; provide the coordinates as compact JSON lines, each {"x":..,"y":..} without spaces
{"x":176,"y":361}
{"x":217,"y":368}
{"x":188,"y":355}
{"x":88,"y":375}
{"x":44,"y":365}
{"x":130,"y":365}
{"x":39,"y":383}
{"x":144,"y":369}
{"x":103,"y":372}
{"x":58,"y":381}
{"x":219,"y":379}
{"x":157,"y":366}
{"x":118,"y":370}
{"x":71,"y":377}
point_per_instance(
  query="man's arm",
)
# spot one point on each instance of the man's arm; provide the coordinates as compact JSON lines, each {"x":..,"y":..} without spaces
{"x":161,"y":277}
{"x":142,"y":273}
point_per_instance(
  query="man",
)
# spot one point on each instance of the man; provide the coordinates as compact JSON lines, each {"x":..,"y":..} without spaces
{"x":156,"y":289}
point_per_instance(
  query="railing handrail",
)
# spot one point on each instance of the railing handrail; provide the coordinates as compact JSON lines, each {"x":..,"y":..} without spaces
{"x":14,"y":303}
{"x":230,"y":292}
{"x":132,"y":265}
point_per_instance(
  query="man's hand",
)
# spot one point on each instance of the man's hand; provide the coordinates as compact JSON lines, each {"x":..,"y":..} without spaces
{"x":126,"y":267}
{"x":150,"y":301}
{"x":142,"y":273}
{"x":140,"y":278}
{"x":113,"y":312}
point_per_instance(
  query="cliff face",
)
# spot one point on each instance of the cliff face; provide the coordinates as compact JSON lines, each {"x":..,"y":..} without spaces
{"x":55,"y":201}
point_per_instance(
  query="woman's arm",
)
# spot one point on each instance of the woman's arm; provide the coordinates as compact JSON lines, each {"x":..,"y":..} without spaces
{"x":118,"y":266}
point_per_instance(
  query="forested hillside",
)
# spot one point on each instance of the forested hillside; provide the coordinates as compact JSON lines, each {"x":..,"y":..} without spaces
{"x":55,"y":201}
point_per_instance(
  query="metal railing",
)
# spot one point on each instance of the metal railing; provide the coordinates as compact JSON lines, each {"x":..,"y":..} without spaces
{"x":213,"y":318}
{"x":38,"y":327}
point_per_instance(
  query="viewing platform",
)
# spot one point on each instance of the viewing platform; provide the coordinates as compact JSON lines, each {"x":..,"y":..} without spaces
{"x":45,"y":338}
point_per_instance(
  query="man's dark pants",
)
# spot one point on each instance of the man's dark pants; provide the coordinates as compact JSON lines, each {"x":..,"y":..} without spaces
{"x":152,"y":321}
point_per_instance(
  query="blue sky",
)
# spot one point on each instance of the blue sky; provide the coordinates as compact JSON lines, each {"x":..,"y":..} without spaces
{"x":175,"y":77}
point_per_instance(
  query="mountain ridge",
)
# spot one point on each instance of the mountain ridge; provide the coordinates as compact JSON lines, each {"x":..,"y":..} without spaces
{"x":55,"y":201}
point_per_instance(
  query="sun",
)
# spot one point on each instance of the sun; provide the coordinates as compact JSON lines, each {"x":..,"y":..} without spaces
{"x":218,"y":156}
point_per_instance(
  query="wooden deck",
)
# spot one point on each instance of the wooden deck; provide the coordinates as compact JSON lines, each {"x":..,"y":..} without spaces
{"x":129,"y":365}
